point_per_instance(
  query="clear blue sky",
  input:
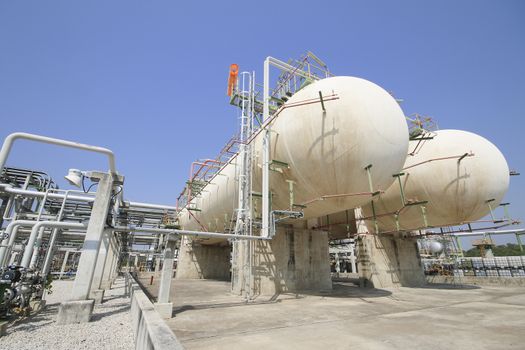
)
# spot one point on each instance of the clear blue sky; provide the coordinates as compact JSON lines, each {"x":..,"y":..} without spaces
{"x":148,"y":78}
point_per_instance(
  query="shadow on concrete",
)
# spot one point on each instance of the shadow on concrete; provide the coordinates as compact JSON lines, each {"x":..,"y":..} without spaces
{"x":181,"y":309}
{"x":111,"y":298}
{"x":340,"y":290}
{"x":28,"y":324}
{"x":347,"y":290}
{"x":346,"y":280}
{"x":121,"y":308}
{"x":450,"y":286}
{"x":145,"y":289}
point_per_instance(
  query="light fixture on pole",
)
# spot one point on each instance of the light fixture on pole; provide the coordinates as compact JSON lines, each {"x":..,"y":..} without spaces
{"x":74,"y":177}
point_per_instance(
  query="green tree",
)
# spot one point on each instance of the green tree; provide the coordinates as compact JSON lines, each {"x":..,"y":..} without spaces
{"x":509,"y":249}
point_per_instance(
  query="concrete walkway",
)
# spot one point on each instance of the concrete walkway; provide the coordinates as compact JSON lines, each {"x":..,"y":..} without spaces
{"x":110,"y":327}
{"x":207,"y":316}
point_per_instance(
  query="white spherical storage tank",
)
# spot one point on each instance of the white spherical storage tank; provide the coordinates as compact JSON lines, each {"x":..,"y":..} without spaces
{"x":459,"y":173}
{"x":325,"y":152}
{"x":435,"y":247}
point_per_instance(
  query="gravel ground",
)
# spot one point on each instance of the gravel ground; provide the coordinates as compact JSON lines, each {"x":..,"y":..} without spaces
{"x":110,"y":327}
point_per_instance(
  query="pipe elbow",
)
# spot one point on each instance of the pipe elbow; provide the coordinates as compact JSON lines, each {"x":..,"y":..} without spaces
{"x":16,"y":135}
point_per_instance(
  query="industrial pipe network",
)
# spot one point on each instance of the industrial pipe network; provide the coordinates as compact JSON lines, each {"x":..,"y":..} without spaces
{"x":343,"y":144}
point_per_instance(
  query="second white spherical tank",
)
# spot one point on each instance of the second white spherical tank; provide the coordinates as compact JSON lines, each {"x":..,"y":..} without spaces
{"x":457,"y":191}
{"x":326,"y":152}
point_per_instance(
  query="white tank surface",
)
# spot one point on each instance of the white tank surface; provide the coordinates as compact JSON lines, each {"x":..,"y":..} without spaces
{"x":324,"y":153}
{"x":435,"y":247}
{"x":458,"y":190}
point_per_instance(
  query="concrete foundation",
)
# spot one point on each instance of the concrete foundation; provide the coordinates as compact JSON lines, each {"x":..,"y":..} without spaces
{"x":349,"y":317}
{"x":389,"y":261}
{"x":165,"y":310}
{"x":295,"y":259}
{"x":97,"y":295}
{"x":198,"y":261}
{"x":76,"y":311}
{"x":106,"y":284}
{"x":3,"y":328}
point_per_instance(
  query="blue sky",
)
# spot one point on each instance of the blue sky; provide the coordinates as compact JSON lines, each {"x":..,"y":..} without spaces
{"x":147,"y":79}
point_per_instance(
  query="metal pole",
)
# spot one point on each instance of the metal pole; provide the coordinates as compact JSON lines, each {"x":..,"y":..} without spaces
{"x":66,"y":255}
{"x":518,"y":238}
{"x":157,"y":259}
{"x":352,"y":258}
{"x":49,"y":255}
{"x":266,"y":153}
{"x":52,"y":240}
{"x":458,"y":244}
{"x":3,"y":207}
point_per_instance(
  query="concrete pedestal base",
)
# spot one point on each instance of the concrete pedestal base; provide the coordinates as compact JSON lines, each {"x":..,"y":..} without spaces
{"x":97,"y":295}
{"x":76,"y":311}
{"x":388,"y":261}
{"x":165,"y":310}
{"x":105,"y":285}
{"x":198,"y":261}
{"x":295,"y":259}
{"x":3,"y":328}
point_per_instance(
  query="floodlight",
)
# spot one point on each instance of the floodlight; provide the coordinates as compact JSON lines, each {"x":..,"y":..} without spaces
{"x":74,"y":177}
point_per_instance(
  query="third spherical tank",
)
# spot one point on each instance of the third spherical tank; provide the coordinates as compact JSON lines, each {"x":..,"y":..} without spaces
{"x":459,"y":175}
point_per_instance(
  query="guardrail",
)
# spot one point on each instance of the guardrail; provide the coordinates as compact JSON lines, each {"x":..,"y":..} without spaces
{"x":499,"y":266}
{"x":149,"y":329}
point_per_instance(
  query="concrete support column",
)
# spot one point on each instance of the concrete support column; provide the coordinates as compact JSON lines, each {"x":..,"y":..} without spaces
{"x":388,"y":261}
{"x":79,"y":308}
{"x":198,"y":261}
{"x":106,"y":280}
{"x":116,"y":254}
{"x":353,"y":259}
{"x":97,"y":293}
{"x":295,"y":259}
{"x":163,"y":306}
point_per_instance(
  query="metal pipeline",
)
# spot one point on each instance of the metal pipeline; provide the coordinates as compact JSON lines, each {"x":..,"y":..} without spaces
{"x":10,"y":139}
{"x":519,"y":231}
{"x":17,"y":191}
{"x":150,"y":206}
{"x":189,"y":233}
{"x":10,"y":236}
{"x":28,"y":252}
{"x":52,"y":239}
{"x":9,"y":189}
